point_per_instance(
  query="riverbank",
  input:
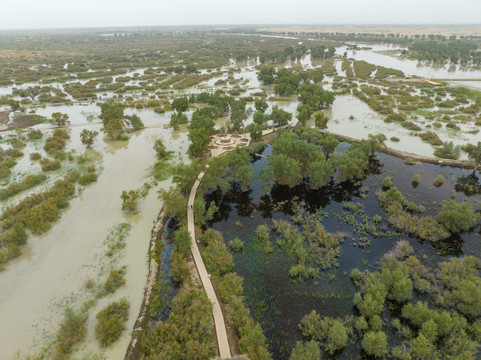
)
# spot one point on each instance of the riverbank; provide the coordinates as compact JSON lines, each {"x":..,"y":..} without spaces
{"x":133,"y":350}
{"x":463,"y":164}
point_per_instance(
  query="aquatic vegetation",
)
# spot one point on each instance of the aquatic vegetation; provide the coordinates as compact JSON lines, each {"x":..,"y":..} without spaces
{"x":49,"y":165}
{"x":439,"y":180}
{"x":448,"y":151}
{"x":313,"y":248}
{"x":28,"y":182}
{"x":115,"y":240}
{"x":114,"y":280}
{"x":186,"y":333}
{"x":56,"y":143}
{"x":334,"y":334}
{"x":457,"y":216}
{"x":111,"y":322}
{"x":426,"y":227}
{"x":236,"y":245}
{"x":73,"y":329}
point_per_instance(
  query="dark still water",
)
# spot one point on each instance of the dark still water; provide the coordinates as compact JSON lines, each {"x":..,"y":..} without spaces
{"x":278,"y":302}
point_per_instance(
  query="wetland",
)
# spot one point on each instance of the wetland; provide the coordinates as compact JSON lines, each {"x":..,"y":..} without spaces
{"x":302,"y":232}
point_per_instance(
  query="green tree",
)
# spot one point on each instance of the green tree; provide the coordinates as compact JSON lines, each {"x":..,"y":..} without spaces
{"x":59,"y":119}
{"x":184,"y":176}
{"x":352,"y":164}
{"x":260,"y":118}
{"x":457,"y":216}
{"x":200,"y":139}
{"x":467,"y":296}
{"x":375,"y":343}
{"x":307,"y":351}
{"x":287,"y":171}
{"x":320,"y":173}
{"x":429,"y":330}
{"x":328,"y":144}
{"x":199,"y":211}
{"x":213,"y":208}
{"x":321,"y":120}
{"x":280,"y":117}
{"x":474,"y":154}
{"x":337,"y":338}
{"x":181,"y":104}
{"x":135,"y":121}
{"x":304,"y":112}
{"x":253,"y":343}
{"x":112,"y":116}
{"x":421,"y":348}
{"x":87,"y":137}
{"x":261,"y":105}
{"x":175,"y":203}
{"x":314,"y":96}
{"x":183,"y":241}
{"x":178,"y":118}
{"x":377,"y":142}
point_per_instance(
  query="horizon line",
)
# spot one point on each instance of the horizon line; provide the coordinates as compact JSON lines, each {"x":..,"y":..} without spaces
{"x":397,"y":25}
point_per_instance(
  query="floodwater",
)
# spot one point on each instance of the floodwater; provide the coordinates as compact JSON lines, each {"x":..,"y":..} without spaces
{"x":409,"y":67}
{"x":276,"y":301}
{"x":53,"y":268}
{"x":51,"y":272}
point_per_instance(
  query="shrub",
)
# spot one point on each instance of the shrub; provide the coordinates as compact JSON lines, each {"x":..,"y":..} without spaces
{"x":35,"y":156}
{"x":217,"y":259}
{"x":34,"y":134}
{"x":448,"y":151}
{"x":111,"y":322}
{"x":130,"y":200}
{"x":431,"y":138}
{"x":395,"y":139}
{"x":262,"y":235}
{"x":416,"y":179}
{"x":28,"y":182}
{"x":236,"y":245}
{"x":457,"y":216}
{"x":187,"y":332}
{"x":439,"y":180}
{"x":230,"y":284}
{"x":73,"y":330}
{"x":87,"y":178}
{"x":387,"y":182}
{"x":49,"y":165}
{"x":114,"y":280}
{"x":17,"y":143}
{"x":179,"y":271}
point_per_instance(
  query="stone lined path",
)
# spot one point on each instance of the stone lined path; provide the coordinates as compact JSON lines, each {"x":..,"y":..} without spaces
{"x":220,"y":330}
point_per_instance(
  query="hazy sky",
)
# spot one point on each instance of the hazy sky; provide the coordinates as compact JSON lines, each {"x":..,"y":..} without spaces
{"x":25,"y":14}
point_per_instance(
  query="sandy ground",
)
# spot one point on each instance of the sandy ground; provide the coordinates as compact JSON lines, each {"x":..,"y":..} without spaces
{"x":377,"y":29}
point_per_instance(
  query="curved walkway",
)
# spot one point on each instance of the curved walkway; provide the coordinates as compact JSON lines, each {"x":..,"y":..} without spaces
{"x":220,"y":330}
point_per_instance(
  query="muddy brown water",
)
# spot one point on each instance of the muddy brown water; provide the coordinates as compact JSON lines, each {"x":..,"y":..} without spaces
{"x":51,"y":272}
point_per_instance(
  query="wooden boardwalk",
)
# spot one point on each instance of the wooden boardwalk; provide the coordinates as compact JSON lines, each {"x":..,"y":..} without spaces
{"x":219,"y":322}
